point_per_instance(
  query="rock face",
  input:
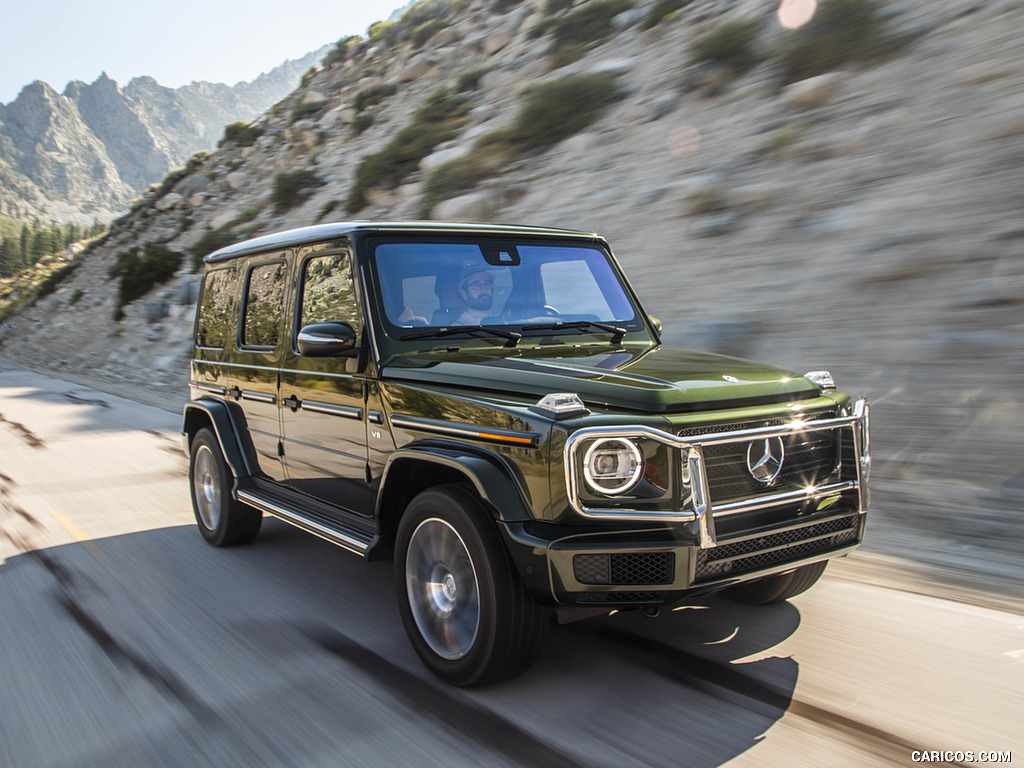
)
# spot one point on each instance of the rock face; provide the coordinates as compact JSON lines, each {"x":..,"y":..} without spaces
{"x":869,"y":222}
{"x":86,"y":153}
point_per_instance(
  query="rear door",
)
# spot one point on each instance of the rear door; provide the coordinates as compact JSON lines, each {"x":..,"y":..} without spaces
{"x":254,"y":372}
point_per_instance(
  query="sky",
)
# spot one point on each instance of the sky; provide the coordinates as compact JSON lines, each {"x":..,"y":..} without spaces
{"x":176,"y":42}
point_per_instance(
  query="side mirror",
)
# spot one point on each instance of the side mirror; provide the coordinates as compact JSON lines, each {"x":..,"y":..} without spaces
{"x":327,"y":340}
{"x":655,"y":322}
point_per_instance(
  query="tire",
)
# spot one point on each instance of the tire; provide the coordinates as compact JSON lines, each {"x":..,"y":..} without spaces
{"x":775,"y":589}
{"x":465,"y":611}
{"x":223,"y":520}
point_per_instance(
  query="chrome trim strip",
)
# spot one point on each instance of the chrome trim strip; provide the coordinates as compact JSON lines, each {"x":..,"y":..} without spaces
{"x":700,"y":498}
{"x":784,"y":430}
{"x":375,"y":417}
{"x":335,"y":537}
{"x":764,"y":502}
{"x":463,"y":430}
{"x":345,"y":411}
{"x":259,"y":397}
{"x":704,"y":509}
{"x":293,"y":441}
{"x":212,"y":388}
{"x":275,"y":369}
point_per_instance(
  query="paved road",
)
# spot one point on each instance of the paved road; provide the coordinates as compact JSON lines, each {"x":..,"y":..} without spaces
{"x":125,"y":640}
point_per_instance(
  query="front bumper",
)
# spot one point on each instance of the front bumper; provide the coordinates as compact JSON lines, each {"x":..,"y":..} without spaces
{"x":664,"y":566}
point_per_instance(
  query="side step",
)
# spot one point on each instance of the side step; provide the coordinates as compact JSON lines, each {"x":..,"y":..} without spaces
{"x":326,"y":528}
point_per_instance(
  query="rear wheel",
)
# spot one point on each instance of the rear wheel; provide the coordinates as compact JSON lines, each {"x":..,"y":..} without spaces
{"x":222,"y":519}
{"x":775,"y":589}
{"x":463,"y":607}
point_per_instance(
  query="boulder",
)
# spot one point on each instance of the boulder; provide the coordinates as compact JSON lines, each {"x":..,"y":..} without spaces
{"x":813,"y":92}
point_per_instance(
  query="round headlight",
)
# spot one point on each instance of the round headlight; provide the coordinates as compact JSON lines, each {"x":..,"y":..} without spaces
{"x":612,"y":466}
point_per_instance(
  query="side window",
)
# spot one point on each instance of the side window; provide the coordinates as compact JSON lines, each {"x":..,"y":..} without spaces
{"x":328,"y":293}
{"x":264,"y":302}
{"x":218,"y":309}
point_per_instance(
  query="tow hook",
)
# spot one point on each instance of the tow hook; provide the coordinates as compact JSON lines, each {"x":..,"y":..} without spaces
{"x":651,"y":611}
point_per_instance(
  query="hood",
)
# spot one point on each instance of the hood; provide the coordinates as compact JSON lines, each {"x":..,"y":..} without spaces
{"x":658,"y":380}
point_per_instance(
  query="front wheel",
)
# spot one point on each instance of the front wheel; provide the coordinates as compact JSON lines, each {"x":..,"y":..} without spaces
{"x":775,"y":589}
{"x":462,"y":604}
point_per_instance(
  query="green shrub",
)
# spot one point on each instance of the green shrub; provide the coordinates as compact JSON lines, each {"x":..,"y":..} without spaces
{"x":294,"y":187}
{"x":577,"y":30}
{"x":54,"y":279}
{"x":141,"y":271}
{"x":437,"y":120}
{"x":210,"y":242}
{"x":730,"y":45}
{"x":363,"y":121}
{"x":374,"y":95}
{"x":305,"y":110}
{"x":307,"y":76}
{"x":340,"y":51}
{"x":7,"y":311}
{"x":329,"y":206}
{"x":470,"y":81}
{"x":382,"y":31}
{"x":76,"y":296}
{"x":661,"y":10}
{"x":425,"y":31}
{"x":242,"y":134}
{"x":452,"y":179}
{"x":557,"y":109}
{"x":841,"y":31}
{"x":553,"y":7}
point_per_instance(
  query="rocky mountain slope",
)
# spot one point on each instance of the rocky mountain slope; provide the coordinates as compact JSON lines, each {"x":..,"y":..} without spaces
{"x":867,"y":220}
{"x":84,"y":154}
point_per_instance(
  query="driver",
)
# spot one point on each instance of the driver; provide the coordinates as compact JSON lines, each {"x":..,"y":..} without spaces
{"x":476,"y":287}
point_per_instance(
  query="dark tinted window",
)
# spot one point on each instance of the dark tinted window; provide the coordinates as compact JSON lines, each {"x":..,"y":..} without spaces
{"x":264,"y":301}
{"x":219,"y":308}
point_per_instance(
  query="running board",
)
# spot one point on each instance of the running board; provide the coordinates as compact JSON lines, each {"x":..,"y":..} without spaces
{"x":344,"y":536}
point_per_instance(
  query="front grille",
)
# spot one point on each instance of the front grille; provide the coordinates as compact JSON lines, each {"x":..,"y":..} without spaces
{"x":626,"y":568}
{"x":809,"y":459}
{"x":620,"y":598}
{"x":776,"y":549}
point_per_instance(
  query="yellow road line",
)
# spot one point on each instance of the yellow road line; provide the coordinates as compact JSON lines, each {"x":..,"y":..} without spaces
{"x":77,"y":533}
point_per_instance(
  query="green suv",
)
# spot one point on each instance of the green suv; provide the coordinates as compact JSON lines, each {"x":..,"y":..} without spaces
{"x":492,"y":408}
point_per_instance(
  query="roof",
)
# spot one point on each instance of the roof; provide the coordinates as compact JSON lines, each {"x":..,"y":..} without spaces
{"x":320,"y":232}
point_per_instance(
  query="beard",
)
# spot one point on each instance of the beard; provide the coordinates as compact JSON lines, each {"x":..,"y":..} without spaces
{"x":479,"y":303}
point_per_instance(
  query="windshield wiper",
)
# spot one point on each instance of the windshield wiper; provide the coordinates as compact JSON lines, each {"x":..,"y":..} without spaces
{"x":617,"y":333}
{"x":438,"y":333}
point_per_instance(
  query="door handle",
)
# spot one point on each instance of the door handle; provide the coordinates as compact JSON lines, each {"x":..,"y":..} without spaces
{"x":292,"y":402}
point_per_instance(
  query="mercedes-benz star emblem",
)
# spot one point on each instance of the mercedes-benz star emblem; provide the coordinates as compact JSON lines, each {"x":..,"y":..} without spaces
{"x":764,"y":459}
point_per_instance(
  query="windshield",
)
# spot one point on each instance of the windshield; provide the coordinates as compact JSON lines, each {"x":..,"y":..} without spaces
{"x":490,"y":283}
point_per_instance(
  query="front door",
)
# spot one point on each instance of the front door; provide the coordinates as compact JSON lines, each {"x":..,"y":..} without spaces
{"x":323,"y":399}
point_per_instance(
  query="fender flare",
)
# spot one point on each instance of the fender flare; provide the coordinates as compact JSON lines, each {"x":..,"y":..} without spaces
{"x":489,"y":475}
{"x":219,"y":416}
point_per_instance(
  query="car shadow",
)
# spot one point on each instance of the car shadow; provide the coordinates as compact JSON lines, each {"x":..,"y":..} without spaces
{"x":295,"y":631}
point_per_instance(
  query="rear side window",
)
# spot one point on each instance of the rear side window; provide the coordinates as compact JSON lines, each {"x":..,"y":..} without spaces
{"x":264,"y":302}
{"x":219,"y":309}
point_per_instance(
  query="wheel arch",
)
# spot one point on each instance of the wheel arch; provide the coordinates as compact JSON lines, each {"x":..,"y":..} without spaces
{"x":410,"y":471}
{"x":217,"y":416}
